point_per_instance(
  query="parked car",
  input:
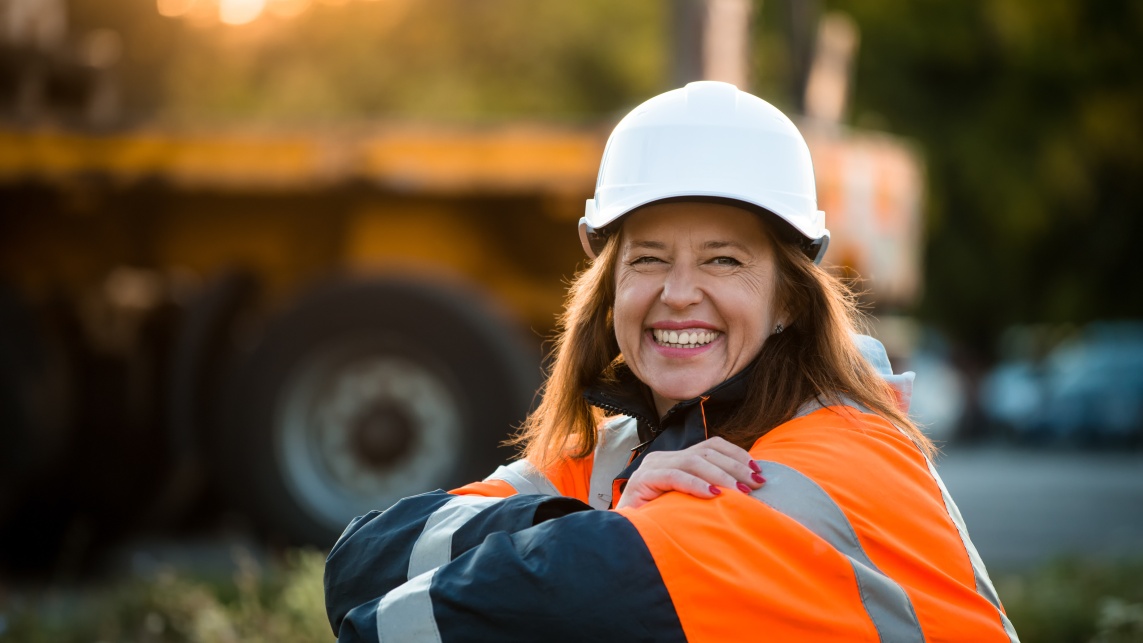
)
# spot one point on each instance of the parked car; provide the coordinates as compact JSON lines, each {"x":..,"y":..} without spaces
{"x":1087,"y":390}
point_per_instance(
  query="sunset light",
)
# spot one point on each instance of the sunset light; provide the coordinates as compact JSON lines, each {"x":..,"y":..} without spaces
{"x":287,"y":8}
{"x":175,"y":8}
{"x":240,"y":12}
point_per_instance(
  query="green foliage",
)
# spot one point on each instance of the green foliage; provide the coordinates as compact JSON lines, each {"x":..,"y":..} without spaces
{"x":1071,"y":601}
{"x":434,"y":60}
{"x":1028,"y":114}
{"x":283,"y":604}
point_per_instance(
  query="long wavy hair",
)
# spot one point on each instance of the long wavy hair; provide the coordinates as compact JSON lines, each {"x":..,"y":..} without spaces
{"x":813,"y":358}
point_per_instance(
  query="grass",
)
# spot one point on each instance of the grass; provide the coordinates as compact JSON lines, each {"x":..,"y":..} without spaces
{"x":1070,"y":601}
{"x":1064,"y":601}
{"x":282,"y":603}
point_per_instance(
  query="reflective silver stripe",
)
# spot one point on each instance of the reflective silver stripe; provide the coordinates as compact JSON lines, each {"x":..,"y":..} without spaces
{"x":616,"y":439}
{"x":406,"y":613}
{"x":983,"y":582}
{"x":817,"y":405}
{"x":807,"y":408}
{"x":524,"y":478}
{"x":800,"y":498}
{"x":434,"y":546}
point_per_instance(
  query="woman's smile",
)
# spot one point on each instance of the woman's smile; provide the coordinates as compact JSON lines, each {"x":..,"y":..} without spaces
{"x":683,"y":347}
{"x":683,"y":335}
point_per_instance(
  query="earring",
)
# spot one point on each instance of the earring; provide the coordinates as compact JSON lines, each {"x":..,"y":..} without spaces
{"x":778,"y":329}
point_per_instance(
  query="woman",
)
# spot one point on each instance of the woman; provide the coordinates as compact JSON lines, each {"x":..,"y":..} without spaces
{"x":717,"y":455}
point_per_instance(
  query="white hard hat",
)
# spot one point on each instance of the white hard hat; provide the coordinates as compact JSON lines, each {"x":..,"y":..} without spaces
{"x":710,"y":140}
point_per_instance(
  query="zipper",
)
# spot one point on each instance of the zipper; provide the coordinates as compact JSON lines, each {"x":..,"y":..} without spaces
{"x":638,"y":417}
{"x":611,"y":408}
{"x":656,"y":427}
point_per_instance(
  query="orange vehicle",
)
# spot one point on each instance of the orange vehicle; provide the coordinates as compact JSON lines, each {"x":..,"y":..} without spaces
{"x":300,"y":321}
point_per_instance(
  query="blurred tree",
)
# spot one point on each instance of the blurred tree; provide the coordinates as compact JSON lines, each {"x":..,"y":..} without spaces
{"x":437,"y":60}
{"x":1029,"y":114}
{"x":150,"y":43}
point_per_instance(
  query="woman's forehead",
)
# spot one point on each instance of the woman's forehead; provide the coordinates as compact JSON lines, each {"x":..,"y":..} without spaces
{"x":708,"y":225}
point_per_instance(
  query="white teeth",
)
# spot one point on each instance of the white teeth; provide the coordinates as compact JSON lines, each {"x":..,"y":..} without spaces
{"x":685,"y":339}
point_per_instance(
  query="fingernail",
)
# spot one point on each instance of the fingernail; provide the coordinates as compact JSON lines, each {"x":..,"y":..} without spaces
{"x":754,"y":467}
{"x":743,"y":488}
{"x":715,"y":490}
{"x":757,"y":478}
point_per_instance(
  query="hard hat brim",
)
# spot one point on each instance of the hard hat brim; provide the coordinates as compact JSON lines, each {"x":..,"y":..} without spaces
{"x":593,"y":236}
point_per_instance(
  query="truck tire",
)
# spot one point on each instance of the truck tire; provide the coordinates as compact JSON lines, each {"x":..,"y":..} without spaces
{"x":36,"y":400}
{"x":201,"y":345}
{"x":366,"y":392}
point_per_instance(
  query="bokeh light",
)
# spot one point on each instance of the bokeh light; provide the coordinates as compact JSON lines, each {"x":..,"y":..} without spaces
{"x":287,"y":8}
{"x":240,"y":12}
{"x":175,"y":8}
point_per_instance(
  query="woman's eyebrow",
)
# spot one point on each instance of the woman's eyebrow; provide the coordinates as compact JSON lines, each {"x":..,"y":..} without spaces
{"x":719,"y":245}
{"x":648,"y":245}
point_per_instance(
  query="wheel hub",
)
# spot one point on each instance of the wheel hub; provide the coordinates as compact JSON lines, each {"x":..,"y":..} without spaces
{"x":361,"y":427}
{"x":382,"y":434}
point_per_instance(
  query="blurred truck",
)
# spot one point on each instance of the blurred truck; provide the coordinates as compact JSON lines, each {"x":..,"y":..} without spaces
{"x":316,"y":324}
{"x":302,"y":326}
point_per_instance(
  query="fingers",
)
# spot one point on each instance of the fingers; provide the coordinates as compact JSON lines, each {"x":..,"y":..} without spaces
{"x":651,"y":482}
{"x":732,"y":459}
{"x":718,"y":468}
{"x":703,"y":470}
{"x":695,"y":485}
{"x":716,"y":462}
{"x":731,"y":451}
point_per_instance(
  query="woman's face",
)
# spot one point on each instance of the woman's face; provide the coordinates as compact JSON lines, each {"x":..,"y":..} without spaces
{"x":694,"y":296}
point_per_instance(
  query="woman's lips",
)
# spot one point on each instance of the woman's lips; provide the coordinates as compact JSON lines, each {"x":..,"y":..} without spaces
{"x":683,"y":325}
{"x":684,"y":338}
{"x":702,"y":341}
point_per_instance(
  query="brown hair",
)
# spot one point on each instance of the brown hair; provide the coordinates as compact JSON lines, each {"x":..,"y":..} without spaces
{"x":813,"y":358}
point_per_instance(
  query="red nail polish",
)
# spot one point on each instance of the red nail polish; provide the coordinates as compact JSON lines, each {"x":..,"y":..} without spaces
{"x":757,"y":478}
{"x":743,"y":488}
{"x":715,"y":490}
{"x":754,"y":467}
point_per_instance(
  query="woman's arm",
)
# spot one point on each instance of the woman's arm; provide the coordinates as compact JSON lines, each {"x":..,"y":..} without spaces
{"x":382,"y":550}
{"x":581,"y":577}
{"x":578,"y":575}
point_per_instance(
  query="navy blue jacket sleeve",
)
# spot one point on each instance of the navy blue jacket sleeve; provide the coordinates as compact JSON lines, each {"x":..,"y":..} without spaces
{"x":377,"y":551}
{"x":579,"y":575}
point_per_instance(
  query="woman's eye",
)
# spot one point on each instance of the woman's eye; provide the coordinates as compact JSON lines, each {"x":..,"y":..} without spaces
{"x":645,"y":260}
{"x":726,"y":261}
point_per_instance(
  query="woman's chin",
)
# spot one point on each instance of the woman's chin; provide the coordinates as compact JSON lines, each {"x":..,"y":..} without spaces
{"x":679,"y":391}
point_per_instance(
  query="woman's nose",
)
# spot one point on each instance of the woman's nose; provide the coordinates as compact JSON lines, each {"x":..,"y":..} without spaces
{"x":680,"y":288}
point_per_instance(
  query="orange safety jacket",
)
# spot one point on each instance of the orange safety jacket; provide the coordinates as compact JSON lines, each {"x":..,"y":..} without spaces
{"x":853,"y":537}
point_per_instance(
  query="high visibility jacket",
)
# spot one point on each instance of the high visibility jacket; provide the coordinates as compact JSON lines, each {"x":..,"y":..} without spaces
{"x":852,"y":538}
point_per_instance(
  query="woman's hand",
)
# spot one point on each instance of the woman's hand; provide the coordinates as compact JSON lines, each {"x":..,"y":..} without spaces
{"x":701,"y":471}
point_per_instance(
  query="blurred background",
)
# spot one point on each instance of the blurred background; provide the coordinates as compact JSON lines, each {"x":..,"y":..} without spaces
{"x":268,"y":264}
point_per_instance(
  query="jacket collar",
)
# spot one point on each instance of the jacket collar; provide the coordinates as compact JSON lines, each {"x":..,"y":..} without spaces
{"x":685,"y":424}
{"x":618,"y":391}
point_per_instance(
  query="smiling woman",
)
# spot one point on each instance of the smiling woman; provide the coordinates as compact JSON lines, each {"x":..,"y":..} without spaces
{"x":717,"y":454}
{"x":703,"y":274}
